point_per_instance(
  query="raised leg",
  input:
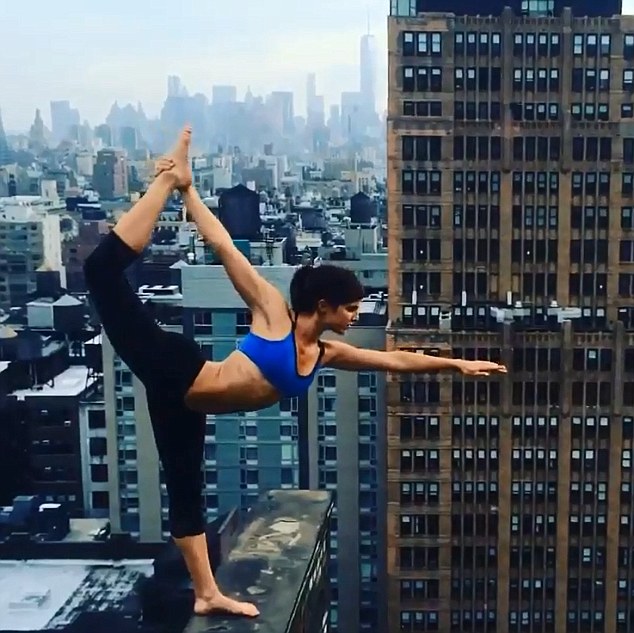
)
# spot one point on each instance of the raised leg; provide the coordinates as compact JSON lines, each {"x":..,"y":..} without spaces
{"x":136,"y":226}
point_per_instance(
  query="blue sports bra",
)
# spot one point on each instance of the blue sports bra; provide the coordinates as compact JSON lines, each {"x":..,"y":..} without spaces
{"x":277,"y":360}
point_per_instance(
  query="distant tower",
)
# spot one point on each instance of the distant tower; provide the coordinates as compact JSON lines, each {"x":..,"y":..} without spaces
{"x":5,"y":152}
{"x":37,"y":134}
{"x":311,"y":94}
{"x":368,"y":69}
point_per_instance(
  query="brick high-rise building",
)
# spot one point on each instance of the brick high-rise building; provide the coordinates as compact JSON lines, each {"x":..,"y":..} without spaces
{"x":511,"y":202}
{"x":110,"y":175}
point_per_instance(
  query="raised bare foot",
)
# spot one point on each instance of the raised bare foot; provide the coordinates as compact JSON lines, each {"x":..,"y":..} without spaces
{"x":180,"y":156}
{"x":222,"y":604}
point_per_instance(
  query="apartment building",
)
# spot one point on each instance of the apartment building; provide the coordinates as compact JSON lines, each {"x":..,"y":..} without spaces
{"x":511,"y":193}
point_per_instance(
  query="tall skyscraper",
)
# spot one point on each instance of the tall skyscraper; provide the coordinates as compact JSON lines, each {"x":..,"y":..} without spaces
{"x":110,"y":174}
{"x":63,"y":118}
{"x":224,"y":94}
{"x":5,"y":154}
{"x":368,"y":77}
{"x":175,"y":87}
{"x":311,"y":95}
{"x":281,"y":111}
{"x":511,"y":185}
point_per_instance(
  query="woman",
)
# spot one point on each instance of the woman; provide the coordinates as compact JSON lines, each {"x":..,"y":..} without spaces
{"x":278,"y":358}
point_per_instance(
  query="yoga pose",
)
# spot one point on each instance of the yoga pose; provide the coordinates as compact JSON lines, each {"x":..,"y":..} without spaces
{"x":278,"y":358}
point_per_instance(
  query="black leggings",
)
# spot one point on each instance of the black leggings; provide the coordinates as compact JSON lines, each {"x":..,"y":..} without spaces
{"x":167,"y":364}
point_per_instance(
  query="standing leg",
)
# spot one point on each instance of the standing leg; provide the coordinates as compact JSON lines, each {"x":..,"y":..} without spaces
{"x":180,"y":439}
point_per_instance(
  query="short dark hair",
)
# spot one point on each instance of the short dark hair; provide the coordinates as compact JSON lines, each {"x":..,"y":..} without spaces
{"x":335,"y":285}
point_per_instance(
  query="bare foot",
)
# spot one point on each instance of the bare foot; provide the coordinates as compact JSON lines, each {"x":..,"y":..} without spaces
{"x":180,"y":157}
{"x":165,"y":163}
{"x":223,"y":604}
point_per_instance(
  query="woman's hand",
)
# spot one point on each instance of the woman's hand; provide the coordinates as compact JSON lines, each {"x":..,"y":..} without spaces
{"x":480,"y":368}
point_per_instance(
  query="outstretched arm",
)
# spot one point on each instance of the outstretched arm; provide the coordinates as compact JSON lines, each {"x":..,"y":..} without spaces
{"x":255,"y":291}
{"x":339,"y":355}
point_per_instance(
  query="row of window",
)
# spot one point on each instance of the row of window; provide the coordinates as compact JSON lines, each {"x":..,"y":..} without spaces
{"x":418,"y":287}
{"x":540,"y":393}
{"x":527,"y":359}
{"x":529,"y":216}
{"x":484,"y":43}
{"x":525,"y":148}
{"x":429,"y":182}
{"x":541,"y":111}
{"x":533,"y":80}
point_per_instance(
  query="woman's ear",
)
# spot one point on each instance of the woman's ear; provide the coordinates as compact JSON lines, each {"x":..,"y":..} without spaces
{"x":323,"y":306}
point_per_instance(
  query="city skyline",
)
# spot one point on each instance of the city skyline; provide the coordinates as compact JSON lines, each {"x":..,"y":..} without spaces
{"x":325,"y":38}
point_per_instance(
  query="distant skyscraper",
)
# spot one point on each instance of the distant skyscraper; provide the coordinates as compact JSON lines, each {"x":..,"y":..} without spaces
{"x":224,"y":94}
{"x":37,"y":133}
{"x":352,"y":115}
{"x":311,"y":93}
{"x":110,"y":177}
{"x":129,"y":139}
{"x":368,"y":70}
{"x":282,"y":111}
{"x":63,"y":118}
{"x":315,"y":114}
{"x":175,"y":87}
{"x":104,"y":132}
{"x":5,"y":154}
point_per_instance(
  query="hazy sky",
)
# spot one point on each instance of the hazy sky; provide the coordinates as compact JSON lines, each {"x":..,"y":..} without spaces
{"x":95,"y":52}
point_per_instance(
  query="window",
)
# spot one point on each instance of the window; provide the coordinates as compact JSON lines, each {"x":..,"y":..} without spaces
{"x":408,"y":44}
{"x":420,"y":392}
{"x":422,"y":108}
{"x":422,"y":215}
{"x":421,"y":250}
{"x":459,"y":44}
{"x":243,"y":322}
{"x":422,"y":44}
{"x":420,"y":427}
{"x":477,"y":148}
{"x":591,"y":45}
{"x":96,"y":419}
{"x":419,"y":461}
{"x":628,"y":46}
{"x":538,"y":7}
{"x":428,"y":79}
{"x":421,"y":493}
{"x":422,"y":148}
{"x":203,"y":322}
{"x":496,"y":44}
{"x":409,"y":83}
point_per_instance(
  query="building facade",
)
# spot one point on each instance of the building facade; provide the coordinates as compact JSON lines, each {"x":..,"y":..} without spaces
{"x":510,"y":186}
{"x":110,"y":174}
{"x":59,"y":442}
{"x":30,"y":238}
